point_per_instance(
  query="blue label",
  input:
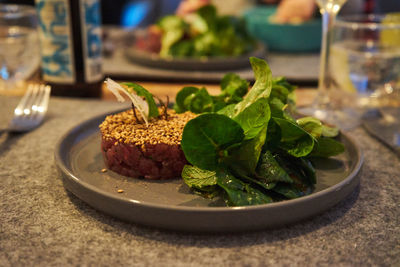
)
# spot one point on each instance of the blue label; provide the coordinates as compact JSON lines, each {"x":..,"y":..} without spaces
{"x":56,"y":43}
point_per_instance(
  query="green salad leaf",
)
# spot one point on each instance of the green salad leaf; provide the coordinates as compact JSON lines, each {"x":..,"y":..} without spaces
{"x":173,"y":28}
{"x":254,"y":118}
{"x":295,"y":140}
{"x":196,"y":100}
{"x":270,"y":171}
{"x":206,"y":138}
{"x":246,"y":146}
{"x":239,"y":193}
{"x":327,"y":147}
{"x":204,"y":33}
{"x":262,"y":86}
{"x":246,"y":156}
{"x":198,"y":178}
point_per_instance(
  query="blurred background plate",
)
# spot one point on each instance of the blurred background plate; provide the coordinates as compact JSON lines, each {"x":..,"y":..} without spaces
{"x":301,"y":37}
{"x":153,"y":60}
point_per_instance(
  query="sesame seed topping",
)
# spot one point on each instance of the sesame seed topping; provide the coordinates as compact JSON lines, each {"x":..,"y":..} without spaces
{"x":124,"y":128}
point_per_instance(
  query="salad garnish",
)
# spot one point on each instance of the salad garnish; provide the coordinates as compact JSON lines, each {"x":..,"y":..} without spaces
{"x":203,"y":33}
{"x":251,"y":147}
{"x":141,"y":99}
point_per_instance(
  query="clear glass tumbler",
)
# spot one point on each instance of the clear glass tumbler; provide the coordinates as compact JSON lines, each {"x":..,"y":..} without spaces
{"x":19,"y":45}
{"x":365,"y":62}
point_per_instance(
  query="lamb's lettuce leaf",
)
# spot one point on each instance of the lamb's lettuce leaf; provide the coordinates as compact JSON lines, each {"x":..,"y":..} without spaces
{"x":246,"y":156}
{"x":262,"y":86}
{"x":239,"y":193}
{"x":205,"y":139}
{"x":327,"y":147}
{"x":294,"y":139}
{"x":250,"y":148}
{"x":270,"y":171}
{"x":254,"y":118}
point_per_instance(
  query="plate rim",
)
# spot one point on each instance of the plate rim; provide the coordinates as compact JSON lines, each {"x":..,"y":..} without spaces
{"x":69,"y":174}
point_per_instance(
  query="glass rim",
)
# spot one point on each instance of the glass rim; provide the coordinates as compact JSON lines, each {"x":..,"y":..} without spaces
{"x":361,"y":21}
{"x":13,"y":11}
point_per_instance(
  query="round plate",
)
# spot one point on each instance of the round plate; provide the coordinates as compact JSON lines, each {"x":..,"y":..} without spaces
{"x":169,"y":204}
{"x":193,"y":64}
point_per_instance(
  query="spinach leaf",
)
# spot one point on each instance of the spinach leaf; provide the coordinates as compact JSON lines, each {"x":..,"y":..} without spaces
{"x":198,"y":178}
{"x":206,"y":138}
{"x":247,"y":155}
{"x":294,"y":139}
{"x":281,"y":81}
{"x":227,"y":110}
{"x":312,"y":125}
{"x":279,"y":109}
{"x":299,"y":169}
{"x":329,"y":131}
{"x":254,"y":118}
{"x":238,"y":172}
{"x":193,"y":99}
{"x":279,"y":92}
{"x":289,"y":191}
{"x":273,"y":136}
{"x":261,"y":87}
{"x":140,"y":91}
{"x":239,"y":193}
{"x":327,"y":147}
{"x":234,"y":87}
{"x":200,"y":102}
{"x":269,"y":170}
{"x":181,"y":96}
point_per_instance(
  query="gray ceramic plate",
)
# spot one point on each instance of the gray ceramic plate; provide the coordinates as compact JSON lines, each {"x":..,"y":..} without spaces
{"x":170,"y":204}
{"x":193,"y":64}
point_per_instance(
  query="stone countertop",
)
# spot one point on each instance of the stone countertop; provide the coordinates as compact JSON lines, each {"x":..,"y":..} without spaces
{"x":42,"y":224}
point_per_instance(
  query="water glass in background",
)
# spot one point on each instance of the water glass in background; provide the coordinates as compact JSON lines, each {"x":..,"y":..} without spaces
{"x":19,"y":46}
{"x":365,"y":63}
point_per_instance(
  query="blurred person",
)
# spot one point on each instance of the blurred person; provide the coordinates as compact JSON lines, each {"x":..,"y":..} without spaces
{"x":189,"y":6}
{"x":295,"y":11}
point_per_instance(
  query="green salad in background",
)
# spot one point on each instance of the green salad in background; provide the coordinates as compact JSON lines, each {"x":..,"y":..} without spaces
{"x":203,"y":33}
{"x":246,"y":146}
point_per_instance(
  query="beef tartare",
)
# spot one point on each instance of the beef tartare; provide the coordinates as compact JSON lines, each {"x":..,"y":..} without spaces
{"x":152,"y":151}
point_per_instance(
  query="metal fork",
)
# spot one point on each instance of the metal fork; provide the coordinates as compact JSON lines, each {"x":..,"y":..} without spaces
{"x":31,"y":110}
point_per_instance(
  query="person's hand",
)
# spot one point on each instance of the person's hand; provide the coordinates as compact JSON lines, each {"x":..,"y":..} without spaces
{"x":190,"y":6}
{"x":294,"y":11}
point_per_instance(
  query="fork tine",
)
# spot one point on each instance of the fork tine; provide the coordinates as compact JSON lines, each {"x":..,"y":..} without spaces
{"x":30,"y":107}
{"x":45,"y":99}
{"x":19,"y":110}
{"x":37,"y":101}
{"x":42,"y":100}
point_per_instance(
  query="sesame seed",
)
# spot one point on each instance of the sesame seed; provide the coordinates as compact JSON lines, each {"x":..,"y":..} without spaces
{"x":124,"y":128}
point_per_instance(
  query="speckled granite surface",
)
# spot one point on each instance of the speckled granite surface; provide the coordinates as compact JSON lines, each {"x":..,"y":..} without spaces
{"x":41,"y":224}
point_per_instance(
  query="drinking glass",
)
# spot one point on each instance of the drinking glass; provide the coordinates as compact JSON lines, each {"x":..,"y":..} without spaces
{"x":321,"y":106}
{"x":19,"y":45}
{"x":365,"y":62}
